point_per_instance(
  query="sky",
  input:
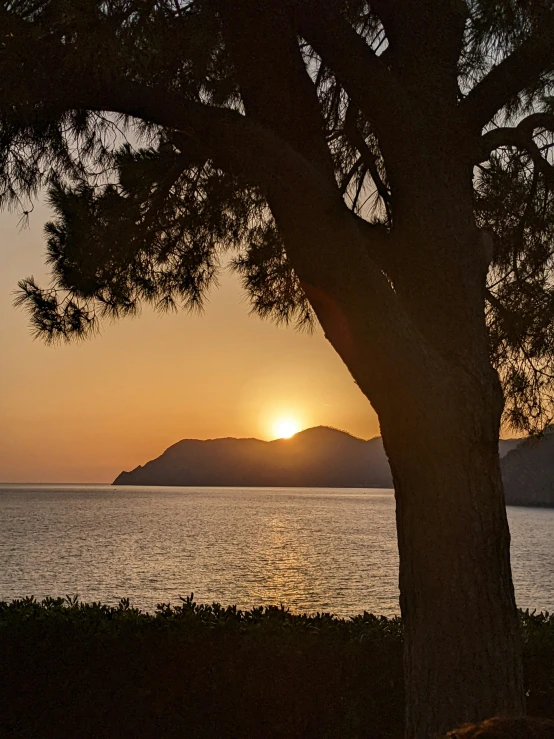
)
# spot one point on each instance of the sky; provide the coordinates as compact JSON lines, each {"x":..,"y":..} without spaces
{"x":82,"y":412}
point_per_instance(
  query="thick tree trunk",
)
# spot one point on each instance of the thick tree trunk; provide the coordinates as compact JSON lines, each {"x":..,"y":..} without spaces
{"x":462,"y":655}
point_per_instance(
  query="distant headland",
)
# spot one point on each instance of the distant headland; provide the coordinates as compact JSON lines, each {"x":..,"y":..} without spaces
{"x":316,"y":457}
{"x":528,"y":472}
{"x":326,"y":457}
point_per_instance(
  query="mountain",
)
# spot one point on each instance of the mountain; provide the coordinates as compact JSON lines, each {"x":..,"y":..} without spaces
{"x":506,"y":445}
{"x":528,"y":472}
{"x":316,"y":457}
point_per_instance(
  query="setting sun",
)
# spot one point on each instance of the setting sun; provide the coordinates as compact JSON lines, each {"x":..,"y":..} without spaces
{"x":284,"y":428}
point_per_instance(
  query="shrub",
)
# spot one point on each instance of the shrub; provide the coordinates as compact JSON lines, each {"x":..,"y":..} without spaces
{"x":190,"y":670}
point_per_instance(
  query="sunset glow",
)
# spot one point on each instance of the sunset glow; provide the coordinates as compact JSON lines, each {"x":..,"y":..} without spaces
{"x":246,"y":376}
{"x":284,"y":428}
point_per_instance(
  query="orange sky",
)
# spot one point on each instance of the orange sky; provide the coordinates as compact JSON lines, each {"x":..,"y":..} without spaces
{"x":84,"y":412}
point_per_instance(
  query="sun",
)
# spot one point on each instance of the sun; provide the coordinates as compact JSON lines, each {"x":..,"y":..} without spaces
{"x":284,"y":428}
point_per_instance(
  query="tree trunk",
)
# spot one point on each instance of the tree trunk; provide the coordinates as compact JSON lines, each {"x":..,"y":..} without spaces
{"x":416,"y":343}
{"x":462,"y":657}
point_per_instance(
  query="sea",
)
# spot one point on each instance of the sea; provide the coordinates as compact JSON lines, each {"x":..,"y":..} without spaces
{"x":326,"y":550}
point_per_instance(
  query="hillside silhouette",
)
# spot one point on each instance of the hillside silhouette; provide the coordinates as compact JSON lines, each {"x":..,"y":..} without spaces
{"x":316,"y":457}
{"x":528,"y":472}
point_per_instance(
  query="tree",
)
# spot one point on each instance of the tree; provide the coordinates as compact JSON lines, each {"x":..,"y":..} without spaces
{"x":381,"y":167}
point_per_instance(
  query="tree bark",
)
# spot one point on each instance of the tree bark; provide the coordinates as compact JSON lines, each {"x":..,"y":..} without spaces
{"x":462,"y":656}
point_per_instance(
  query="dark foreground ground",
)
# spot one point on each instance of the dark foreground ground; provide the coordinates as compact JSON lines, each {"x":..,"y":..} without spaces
{"x":75,"y":670}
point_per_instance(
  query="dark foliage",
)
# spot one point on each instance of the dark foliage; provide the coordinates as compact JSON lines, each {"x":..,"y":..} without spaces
{"x":203,"y":671}
{"x":196,"y":671}
{"x":516,"y":202}
{"x":150,"y":220}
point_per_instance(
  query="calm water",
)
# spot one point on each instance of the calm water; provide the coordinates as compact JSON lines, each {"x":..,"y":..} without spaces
{"x":311,"y":549}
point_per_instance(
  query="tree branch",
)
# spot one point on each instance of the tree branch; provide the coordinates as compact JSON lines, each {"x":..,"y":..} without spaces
{"x":275,"y":88}
{"x":365,"y":77}
{"x":368,"y":157}
{"x":517,"y":71}
{"x":495,"y":302}
{"x":520,"y":137}
{"x":237,"y":144}
{"x":383,"y":9}
{"x":380,"y":245}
